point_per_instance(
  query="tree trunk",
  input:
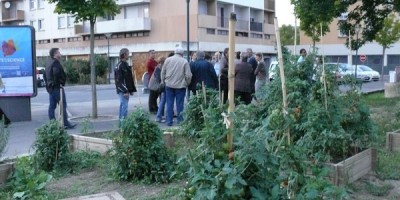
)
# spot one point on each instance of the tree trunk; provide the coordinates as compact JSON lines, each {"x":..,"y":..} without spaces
{"x":383,"y":61}
{"x":93,"y":71}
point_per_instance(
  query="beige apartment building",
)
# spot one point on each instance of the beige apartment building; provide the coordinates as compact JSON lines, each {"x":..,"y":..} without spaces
{"x":333,"y":47}
{"x":148,"y":24}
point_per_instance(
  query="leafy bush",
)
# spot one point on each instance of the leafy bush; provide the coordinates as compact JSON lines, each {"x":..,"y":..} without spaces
{"x":101,"y":65}
{"x":51,"y":147}
{"x":139,"y":152}
{"x":26,"y":182}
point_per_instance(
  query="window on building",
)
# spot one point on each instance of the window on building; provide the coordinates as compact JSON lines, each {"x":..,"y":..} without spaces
{"x":222,"y":32}
{"x":211,"y":31}
{"x":342,"y":33}
{"x":31,"y":4}
{"x":136,"y":11}
{"x":256,"y":35}
{"x":41,"y":24}
{"x":40,"y":3}
{"x":70,"y":21}
{"x":61,"y":22}
{"x":267,"y":36}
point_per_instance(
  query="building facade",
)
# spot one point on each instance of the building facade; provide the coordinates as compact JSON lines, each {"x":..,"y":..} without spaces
{"x":142,"y":25}
{"x":333,"y":46}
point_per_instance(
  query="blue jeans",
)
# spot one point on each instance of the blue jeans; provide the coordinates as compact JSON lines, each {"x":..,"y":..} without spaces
{"x":173,"y":95}
{"x":54,"y":99}
{"x":123,"y":106}
{"x":161,"y":106}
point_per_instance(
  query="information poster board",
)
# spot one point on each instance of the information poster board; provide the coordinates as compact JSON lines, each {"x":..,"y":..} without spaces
{"x":17,"y":61}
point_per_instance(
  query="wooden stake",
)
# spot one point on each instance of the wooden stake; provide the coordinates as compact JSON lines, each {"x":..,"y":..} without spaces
{"x":61,"y":105}
{"x":231,"y":78}
{"x":282,"y":72}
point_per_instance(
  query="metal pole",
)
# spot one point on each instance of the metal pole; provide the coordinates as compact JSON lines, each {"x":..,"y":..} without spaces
{"x":108,"y":60}
{"x":357,"y":46}
{"x":187,"y":30}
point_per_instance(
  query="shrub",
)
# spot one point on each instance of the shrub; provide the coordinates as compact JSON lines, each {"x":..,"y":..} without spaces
{"x":26,"y":182}
{"x":139,"y":151}
{"x":51,"y":147}
{"x":101,"y":65}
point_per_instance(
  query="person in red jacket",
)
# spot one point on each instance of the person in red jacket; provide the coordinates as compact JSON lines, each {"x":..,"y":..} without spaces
{"x":153,"y":96}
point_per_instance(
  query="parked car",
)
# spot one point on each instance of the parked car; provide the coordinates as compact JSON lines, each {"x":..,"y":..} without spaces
{"x":362,"y":75}
{"x":272,"y":70}
{"x":39,"y":77}
{"x":373,"y":75}
{"x":345,"y":69}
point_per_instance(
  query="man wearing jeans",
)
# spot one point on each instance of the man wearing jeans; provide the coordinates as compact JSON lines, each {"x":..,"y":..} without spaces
{"x":176,"y":76}
{"x":124,"y":83}
{"x":55,"y":81}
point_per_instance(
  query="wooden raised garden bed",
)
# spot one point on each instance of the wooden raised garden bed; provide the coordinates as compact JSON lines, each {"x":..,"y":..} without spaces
{"x":79,"y":142}
{"x":5,"y":170}
{"x":353,"y":168}
{"x":393,"y":141}
{"x":102,"y":145}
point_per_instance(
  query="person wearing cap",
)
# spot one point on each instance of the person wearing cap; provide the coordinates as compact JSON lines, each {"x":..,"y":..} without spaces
{"x":124,"y":83}
{"x":176,"y":76}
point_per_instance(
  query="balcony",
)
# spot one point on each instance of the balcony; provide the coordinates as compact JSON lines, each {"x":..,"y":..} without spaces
{"x":12,"y":15}
{"x":256,"y":26}
{"x":131,"y":2}
{"x":242,"y":25}
{"x":123,"y":25}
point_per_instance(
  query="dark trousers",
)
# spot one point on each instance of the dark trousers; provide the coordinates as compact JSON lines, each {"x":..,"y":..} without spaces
{"x":153,"y":96}
{"x":244,"y":97}
{"x":54,"y":99}
{"x":5,"y":120}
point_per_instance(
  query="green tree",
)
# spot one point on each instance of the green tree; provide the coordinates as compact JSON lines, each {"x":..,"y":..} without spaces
{"x":88,"y":10}
{"x":316,"y":15}
{"x":287,"y":35}
{"x":389,"y":34}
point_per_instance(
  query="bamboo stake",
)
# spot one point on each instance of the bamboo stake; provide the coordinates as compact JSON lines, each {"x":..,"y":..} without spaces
{"x":134,"y":76}
{"x":61,"y":105}
{"x":203,"y":87}
{"x":282,"y":72}
{"x":231,"y":79}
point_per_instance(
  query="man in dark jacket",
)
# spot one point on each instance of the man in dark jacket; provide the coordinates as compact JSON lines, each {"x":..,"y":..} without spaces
{"x":55,"y":80}
{"x":253,"y":62}
{"x":202,"y":71}
{"x":124,"y":83}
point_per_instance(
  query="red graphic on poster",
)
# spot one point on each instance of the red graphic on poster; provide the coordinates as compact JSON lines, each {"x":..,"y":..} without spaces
{"x":8,"y":47}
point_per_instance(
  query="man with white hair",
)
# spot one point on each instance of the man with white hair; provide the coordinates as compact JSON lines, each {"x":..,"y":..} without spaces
{"x":176,"y":77}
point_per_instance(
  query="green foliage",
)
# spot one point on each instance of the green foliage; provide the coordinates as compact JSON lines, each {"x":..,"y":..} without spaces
{"x":101,"y":66}
{"x":194,"y":113}
{"x":378,"y":190}
{"x":388,"y":163}
{"x":26,"y":182}
{"x":51,"y":147}
{"x":4,"y":134}
{"x":390,"y":32}
{"x":77,"y":71}
{"x":287,"y":35}
{"x":86,"y":10}
{"x":139,"y":152}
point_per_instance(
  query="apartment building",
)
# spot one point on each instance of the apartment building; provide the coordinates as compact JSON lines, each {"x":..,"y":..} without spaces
{"x":148,"y":24}
{"x":333,"y":47}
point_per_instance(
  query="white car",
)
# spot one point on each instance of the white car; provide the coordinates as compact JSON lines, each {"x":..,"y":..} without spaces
{"x":272,"y":70}
{"x":39,"y":77}
{"x":373,"y":75}
{"x":362,"y":75}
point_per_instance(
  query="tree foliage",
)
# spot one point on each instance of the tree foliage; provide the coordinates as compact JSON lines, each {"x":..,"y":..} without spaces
{"x":287,"y":35}
{"x":390,"y":32}
{"x":369,"y":14}
{"x":316,"y":15}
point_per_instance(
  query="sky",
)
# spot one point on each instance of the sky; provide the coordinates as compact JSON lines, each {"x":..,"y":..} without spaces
{"x":284,"y":12}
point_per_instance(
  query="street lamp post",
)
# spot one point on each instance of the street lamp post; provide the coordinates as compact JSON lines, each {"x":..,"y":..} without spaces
{"x":108,"y":36}
{"x":357,"y":47}
{"x":187,"y":29}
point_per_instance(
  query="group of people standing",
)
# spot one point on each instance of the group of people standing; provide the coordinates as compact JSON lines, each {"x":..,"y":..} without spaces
{"x":175,"y":75}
